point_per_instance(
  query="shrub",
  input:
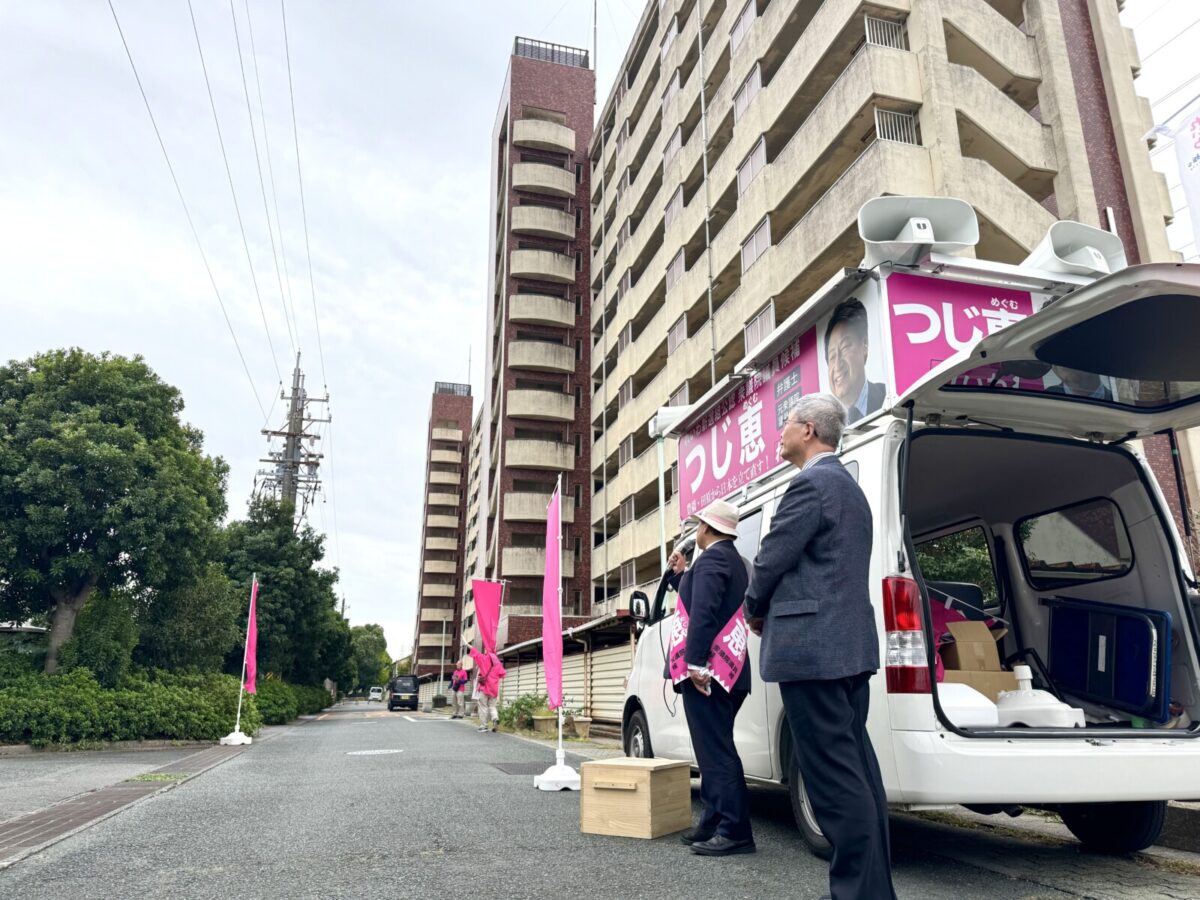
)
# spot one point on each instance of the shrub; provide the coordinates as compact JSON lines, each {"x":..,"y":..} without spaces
{"x":73,"y":707}
{"x":104,"y":637}
{"x":276,"y":702}
{"x":311,"y":700}
{"x":519,"y":713}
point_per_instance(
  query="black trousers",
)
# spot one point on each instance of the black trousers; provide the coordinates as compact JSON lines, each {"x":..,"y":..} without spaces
{"x":722,"y":781}
{"x":841,"y":776}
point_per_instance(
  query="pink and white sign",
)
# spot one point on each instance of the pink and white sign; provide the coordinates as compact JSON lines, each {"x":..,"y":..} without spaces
{"x":552,"y":641}
{"x":738,"y":441}
{"x":726,"y":656}
{"x":933,"y":319}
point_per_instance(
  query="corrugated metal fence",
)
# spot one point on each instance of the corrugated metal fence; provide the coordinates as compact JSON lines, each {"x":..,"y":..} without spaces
{"x":593,"y":680}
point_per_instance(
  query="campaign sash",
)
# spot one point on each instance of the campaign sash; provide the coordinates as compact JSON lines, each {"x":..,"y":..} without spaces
{"x":726,"y":657}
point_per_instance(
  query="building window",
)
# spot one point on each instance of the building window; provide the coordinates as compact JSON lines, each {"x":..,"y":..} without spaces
{"x":760,"y":326}
{"x":627,"y":514}
{"x":896,"y":126}
{"x":578,"y":305}
{"x":578,"y":260}
{"x":674,"y":207}
{"x":674,"y":145}
{"x":669,"y":37}
{"x":885,"y":33}
{"x":756,"y":245}
{"x":626,"y":395}
{"x":628,"y":574}
{"x":747,"y":92}
{"x":578,"y":349}
{"x":677,"y":335}
{"x":578,"y":173}
{"x":625,"y":338}
{"x":578,"y":217}
{"x":675,"y":270}
{"x":672,"y":88}
{"x":578,"y":495}
{"x":578,"y":397}
{"x":625,"y":451}
{"x":625,"y":284}
{"x":681,"y":397}
{"x":624,"y":234}
{"x":674,"y":478}
{"x":752,"y":165}
{"x":578,"y":445}
{"x":740,"y":27}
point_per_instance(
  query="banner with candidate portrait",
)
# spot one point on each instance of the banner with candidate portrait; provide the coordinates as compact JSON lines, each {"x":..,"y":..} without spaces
{"x":850,"y":356}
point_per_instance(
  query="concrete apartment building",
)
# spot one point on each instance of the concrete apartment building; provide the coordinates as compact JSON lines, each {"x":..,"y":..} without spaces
{"x":535,"y":419}
{"x":715,"y":216}
{"x":436,"y":635}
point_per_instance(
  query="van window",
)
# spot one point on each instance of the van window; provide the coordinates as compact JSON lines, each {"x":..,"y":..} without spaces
{"x":1074,"y":545}
{"x":961,"y":557}
{"x":749,"y":535}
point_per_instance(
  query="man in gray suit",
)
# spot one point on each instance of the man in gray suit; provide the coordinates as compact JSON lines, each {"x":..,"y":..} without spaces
{"x":810,"y":600}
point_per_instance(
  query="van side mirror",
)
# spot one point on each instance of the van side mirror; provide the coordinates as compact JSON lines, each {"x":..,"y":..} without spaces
{"x":639,"y":605}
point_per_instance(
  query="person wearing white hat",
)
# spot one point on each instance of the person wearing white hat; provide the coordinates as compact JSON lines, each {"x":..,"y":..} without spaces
{"x":711,"y":592}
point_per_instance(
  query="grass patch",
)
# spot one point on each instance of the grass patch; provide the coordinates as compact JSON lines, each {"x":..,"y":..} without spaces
{"x":159,"y":776}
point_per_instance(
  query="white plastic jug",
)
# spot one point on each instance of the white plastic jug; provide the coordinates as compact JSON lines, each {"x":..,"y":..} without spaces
{"x":1035,"y":709}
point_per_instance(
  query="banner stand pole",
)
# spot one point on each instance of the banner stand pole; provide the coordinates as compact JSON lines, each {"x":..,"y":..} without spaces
{"x":560,"y":776}
{"x":235,"y":737}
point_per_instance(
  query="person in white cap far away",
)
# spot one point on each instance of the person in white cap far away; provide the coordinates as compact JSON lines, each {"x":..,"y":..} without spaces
{"x":711,"y":594}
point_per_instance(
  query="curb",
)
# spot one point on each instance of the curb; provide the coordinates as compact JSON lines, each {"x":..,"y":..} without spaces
{"x":7,"y":750}
{"x":1182,"y":828}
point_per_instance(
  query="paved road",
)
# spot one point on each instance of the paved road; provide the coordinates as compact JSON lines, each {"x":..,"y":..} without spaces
{"x":299,"y":816}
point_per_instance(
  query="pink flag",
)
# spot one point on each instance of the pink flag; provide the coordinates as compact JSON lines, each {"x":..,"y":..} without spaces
{"x":552,"y":646}
{"x":487,"y":609}
{"x":252,"y":643}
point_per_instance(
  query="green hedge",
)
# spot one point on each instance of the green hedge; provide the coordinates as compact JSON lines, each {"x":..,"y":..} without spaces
{"x":71,"y":708}
{"x":280,"y":702}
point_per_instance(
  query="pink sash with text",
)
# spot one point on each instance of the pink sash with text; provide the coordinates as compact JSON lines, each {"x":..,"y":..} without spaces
{"x":726,"y":657}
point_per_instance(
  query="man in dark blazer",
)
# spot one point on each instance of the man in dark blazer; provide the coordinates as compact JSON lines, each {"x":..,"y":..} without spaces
{"x":712,"y":591}
{"x":810,"y":600}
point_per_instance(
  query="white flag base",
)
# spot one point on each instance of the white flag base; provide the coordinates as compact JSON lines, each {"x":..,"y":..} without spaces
{"x":559,"y":777}
{"x":236,"y":738}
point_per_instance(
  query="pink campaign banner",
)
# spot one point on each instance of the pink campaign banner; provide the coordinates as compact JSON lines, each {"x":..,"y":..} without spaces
{"x":552,"y":647}
{"x":738,"y":441}
{"x":252,"y":642}
{"x":726,"y":656}
{"x":487,"y":610}
{"x":932,"y":319}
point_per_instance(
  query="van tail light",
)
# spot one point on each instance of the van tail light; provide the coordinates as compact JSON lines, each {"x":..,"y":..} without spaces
{"x":907,"y":663}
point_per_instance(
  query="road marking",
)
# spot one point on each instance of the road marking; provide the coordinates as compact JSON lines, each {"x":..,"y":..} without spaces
{"x":371,"y":752}
{"x":322,"y":716}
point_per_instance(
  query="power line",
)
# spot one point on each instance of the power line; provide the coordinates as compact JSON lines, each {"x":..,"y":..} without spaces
{"x":262,"y":109}
{"x":1147,"y":57}
{"x":1150,"y":15}
{"x":186,"y":212}
{"x":229,"y":174}
{"x":337,"y":541}
{"x":300,"y":178}
{"x":261,"y":182}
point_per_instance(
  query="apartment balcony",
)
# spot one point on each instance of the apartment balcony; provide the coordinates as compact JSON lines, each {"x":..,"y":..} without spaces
{"x":440,"y":499}
{"x":446,"y":456}
{"x":638,"y":538}
{"x":528,"y":507}
{"x":432,"y":614}
{"x":543,"y":135}
{"x":549,"y":406}
{"x":518,"y":562}
{"x":980,"y":37}
{"x":542,"y":221}
{"x":543,"y":179}
{"x":439,"y":567}
{"x":549,"y":455}
{"x":445,"y":478}
{"x":447,"y":434}
{"x":441,"y":543}
{"x":535,"y":309}
{"x":434,"y":521}
{"x":545,"y":265}
{"x":541,"y":356}
{"x":437,"y":590}
{"x":437,"y":640}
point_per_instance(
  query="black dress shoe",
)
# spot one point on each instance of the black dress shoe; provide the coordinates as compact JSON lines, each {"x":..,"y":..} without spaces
{"x":719,"y":845}
{"x":695,"y":836}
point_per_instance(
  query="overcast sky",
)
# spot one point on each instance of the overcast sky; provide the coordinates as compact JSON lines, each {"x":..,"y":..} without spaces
{"x":395,"y":103}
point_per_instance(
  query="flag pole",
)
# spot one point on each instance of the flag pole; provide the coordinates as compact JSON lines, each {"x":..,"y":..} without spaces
{"x":236,"y":736}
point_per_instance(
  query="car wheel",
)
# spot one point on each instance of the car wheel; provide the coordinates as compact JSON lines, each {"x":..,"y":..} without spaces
{"x":802,"y":811}
{"x":637,"y":737}
{"x":1115,"y":827}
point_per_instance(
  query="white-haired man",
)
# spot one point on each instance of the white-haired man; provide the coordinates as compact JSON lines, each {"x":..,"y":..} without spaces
{"x":810,"y":600}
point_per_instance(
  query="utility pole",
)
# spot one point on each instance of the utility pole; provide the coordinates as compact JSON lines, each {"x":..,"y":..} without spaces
{"x":293,"y":477}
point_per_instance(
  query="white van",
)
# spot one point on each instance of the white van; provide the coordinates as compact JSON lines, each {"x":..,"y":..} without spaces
{"x":1006,"y":488}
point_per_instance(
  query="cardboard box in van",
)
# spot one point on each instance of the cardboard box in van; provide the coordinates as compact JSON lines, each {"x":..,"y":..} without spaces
{"x":973,"y":659}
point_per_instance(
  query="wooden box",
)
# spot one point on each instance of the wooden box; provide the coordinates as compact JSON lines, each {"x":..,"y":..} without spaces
{"x":628,"y":797}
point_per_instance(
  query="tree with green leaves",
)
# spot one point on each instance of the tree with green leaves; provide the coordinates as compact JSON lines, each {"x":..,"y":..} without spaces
{"x":371,"y":661}
{"x":102,"y":486}
{"x":191,"y":627}
{"x":299,"y":636}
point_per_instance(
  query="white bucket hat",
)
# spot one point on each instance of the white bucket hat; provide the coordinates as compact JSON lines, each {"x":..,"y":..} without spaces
{"x":720,"y":516}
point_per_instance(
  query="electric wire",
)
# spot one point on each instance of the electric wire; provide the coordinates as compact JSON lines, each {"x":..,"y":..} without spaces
{"x":1150,"y":15}
{"x":261,"y":181}
{"x":300,"y":179}
{"x":1163,"y":46}
{"x":546,"y":27}
{"x":229,"y":174}
{"x":186,"y":212}
{"x":262,"y":111}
